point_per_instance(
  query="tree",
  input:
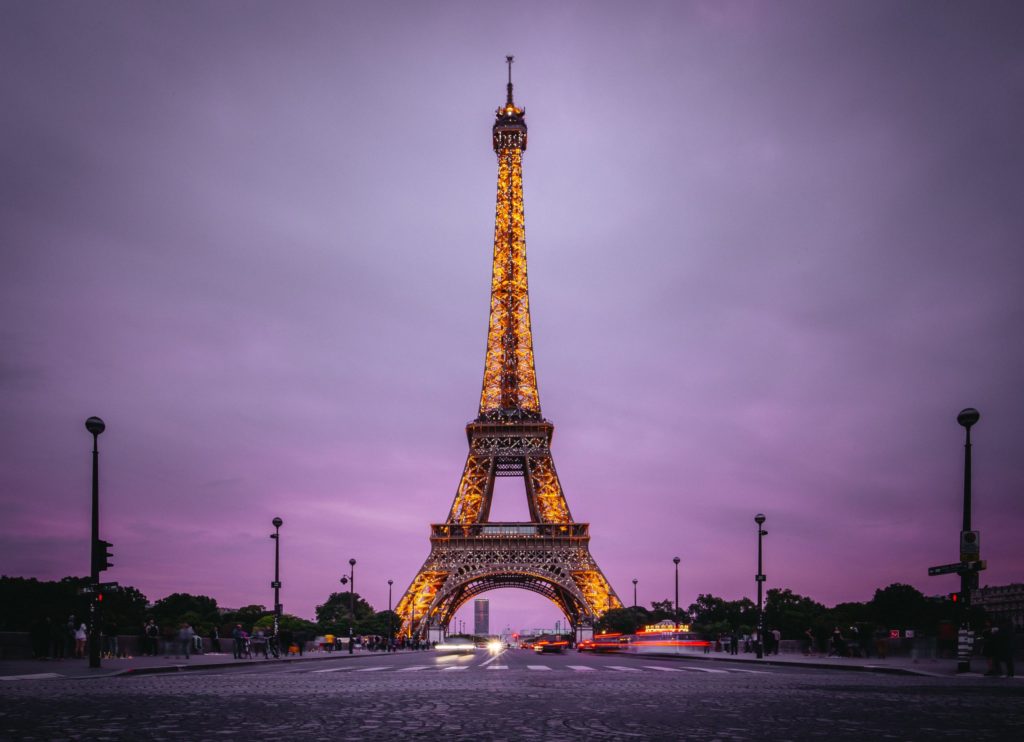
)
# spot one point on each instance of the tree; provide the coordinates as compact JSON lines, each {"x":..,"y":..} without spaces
{"x":288,"y":623}
{"x":199,"y":611}
{"x":334,"y":616}
{"x":713,"y":615}
{"x":791,"y":613}
{"x":622,"y":620}
{"x":247,"y":616}
{"x":901,"y":606}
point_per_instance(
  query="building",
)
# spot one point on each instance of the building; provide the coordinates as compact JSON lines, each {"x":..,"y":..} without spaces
{"x":481,"y":617}
{"x":1002,"y":603}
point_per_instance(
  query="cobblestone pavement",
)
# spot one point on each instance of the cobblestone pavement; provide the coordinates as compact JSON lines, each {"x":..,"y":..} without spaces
{"x":513,"y":696}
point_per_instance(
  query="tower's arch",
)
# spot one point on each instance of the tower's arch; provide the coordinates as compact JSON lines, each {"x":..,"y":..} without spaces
{"x":462,"y":592}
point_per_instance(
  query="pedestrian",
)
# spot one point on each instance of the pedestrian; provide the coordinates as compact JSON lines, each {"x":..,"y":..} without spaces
{"x":734,"y":643}
{"x":837,"y":645}
{"x":81,"y":634}
{"x":239,"y":638}
{"x":808,"y":642}
{"x":151,"y":640}
{"x":1009,"y":642}
{"x":69,"y":636}
{"x":215,"y":640}
{"x":56,"y":639}
{"x":185,"y":636}
{"x":776,"y":641}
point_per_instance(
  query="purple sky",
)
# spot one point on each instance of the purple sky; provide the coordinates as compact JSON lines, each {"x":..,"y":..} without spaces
{"x":773,"y":248}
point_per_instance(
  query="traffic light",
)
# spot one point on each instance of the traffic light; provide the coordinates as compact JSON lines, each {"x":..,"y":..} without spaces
{"x":102,"y":555}
{"x":954,"y":597}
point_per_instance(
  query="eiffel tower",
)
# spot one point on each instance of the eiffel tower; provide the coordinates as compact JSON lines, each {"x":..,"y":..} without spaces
{"x":469,"y":554}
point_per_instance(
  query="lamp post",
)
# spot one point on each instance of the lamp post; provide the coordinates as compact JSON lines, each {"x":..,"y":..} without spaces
{"x":968,"y":579}
{"x":391,"y":629}
{"x":276,"y":584}
{"x":675,"y":561}
{"x":351,"y":600}
{"x":759,"y":519}
{"x":635,"y":580}
{"x":95,"y":426}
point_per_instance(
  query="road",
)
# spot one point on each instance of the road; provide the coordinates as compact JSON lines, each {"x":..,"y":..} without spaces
{"x":514,"y":695}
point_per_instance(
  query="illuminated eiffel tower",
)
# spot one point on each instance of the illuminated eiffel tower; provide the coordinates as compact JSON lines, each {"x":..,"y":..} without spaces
{"x":469,"y":554}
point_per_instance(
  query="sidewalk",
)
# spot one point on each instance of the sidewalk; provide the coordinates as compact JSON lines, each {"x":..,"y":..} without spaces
{"x":75,"y":668}
{"x":926,"y":667}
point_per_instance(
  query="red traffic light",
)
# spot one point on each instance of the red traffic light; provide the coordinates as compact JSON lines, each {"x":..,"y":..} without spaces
{"x":955,"y":597}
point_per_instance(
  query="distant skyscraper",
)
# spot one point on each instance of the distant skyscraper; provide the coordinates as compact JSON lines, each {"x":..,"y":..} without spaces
{"x":481,"y":617}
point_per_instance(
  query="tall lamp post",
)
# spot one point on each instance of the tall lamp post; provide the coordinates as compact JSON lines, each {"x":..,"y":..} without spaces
{"x":968,"y":579}
{"x":391,"y":629}
{"x":635,"y":580}
{"x":95,"y":426}
{"x":351,"y":600}
{"x":276,"y":584}
{"x":759,"y":519}
{"x":675,"y":560}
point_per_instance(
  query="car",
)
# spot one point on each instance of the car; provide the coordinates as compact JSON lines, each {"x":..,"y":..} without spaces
{"x":456,"y":645}
{"x":547,"y":647}
{"x":587,"y":645}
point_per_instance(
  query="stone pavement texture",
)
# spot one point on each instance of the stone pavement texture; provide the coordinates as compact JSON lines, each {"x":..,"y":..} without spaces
{"x":513,"y":696}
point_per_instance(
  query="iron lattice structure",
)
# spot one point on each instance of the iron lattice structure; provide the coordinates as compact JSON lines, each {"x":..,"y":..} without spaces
{"x":469,"y":554}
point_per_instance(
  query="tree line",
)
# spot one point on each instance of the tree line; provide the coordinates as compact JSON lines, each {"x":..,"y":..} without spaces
{"x":897,"y":606}
{"x":25,"y":603}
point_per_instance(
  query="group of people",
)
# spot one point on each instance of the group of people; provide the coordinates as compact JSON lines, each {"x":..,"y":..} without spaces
{"x":998,"y":645}
{"x":55,"y":640}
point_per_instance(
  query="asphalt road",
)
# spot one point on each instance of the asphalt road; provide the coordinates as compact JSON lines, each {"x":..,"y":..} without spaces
{"x":515,"y":695}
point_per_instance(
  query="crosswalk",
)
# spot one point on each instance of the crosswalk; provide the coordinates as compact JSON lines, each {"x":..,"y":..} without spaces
{"x":605,"y":669}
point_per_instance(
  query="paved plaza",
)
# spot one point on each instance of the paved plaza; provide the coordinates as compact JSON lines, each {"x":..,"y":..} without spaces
{"x":509,"y":696}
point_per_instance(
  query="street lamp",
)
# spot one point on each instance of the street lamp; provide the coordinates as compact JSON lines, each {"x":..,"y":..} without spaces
{"x":351,"y":600}
{"x":759,"y":519}
{"x":391,"y":630}
{"x":95,"y":426}
{"x":635,"y":580}
{"x":968,"y":579}
{"x":675,"y":561}
{"x":276,"y":584}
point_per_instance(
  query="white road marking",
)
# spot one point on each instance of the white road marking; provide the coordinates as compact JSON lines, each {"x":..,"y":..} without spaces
{"x":334,"y":669}
{"x":664,"y":669}
{"x":414,"y":668}
{"x":706,"y":669}
{"x":498,"y":667}
{"x":538,"y":667}
{"x":373,"y":669}
{"x":752,"y":672}
{"x":582,"y":668}
{"x":32,"y":676}
{"x":449,"y":669}
{"x":492,"y":659}
{"x":624,"y":669}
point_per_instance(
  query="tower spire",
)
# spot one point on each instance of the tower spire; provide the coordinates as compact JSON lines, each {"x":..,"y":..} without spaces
{"x":509,"y":59}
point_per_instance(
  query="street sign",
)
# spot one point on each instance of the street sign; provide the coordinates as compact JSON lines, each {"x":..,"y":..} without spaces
{"x":275,"y":584}
{"x":759,"y":578}
{"x":957,"y":568}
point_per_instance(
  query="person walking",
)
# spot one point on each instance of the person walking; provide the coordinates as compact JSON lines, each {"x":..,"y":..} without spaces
{"x":81,"y":634}
{"x":215,"y":640}
{"x":808,"y":641}
{"x":185,"y":636}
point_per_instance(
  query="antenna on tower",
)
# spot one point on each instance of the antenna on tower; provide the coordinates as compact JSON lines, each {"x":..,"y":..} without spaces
{"x":509,"y":59}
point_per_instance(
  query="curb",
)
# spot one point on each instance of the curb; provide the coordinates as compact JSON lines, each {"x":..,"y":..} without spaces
{"x":811,"y":665}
